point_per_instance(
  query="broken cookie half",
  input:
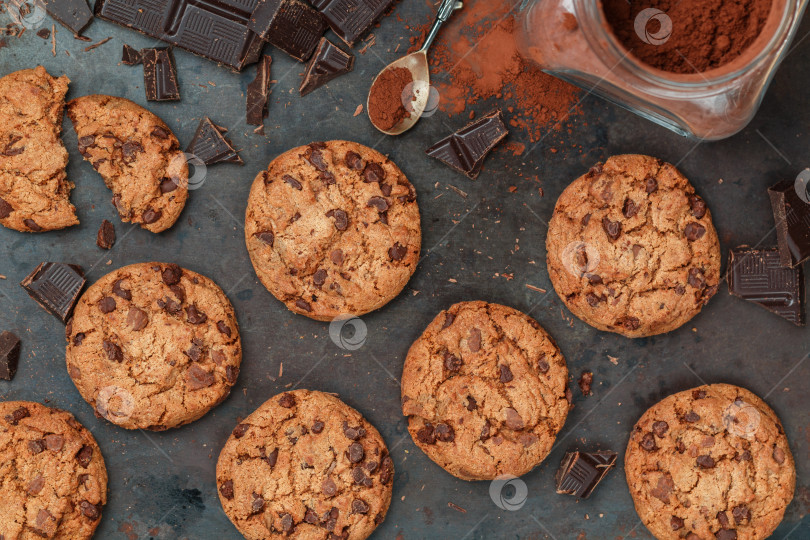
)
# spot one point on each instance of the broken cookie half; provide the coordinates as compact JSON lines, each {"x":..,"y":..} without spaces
{"x":34,"y":190}
{"x":136,"y":154}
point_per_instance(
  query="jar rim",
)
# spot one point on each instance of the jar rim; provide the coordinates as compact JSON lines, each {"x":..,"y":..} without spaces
{"x":600,"y":34}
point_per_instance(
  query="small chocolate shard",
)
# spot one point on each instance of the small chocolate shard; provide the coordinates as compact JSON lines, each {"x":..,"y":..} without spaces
{"x":466,"y":149}
{"x":55,"y":287}
{"x":210,"y":145}
{"x":75,"y":15}
{"x":581,"y":472}
{"x":130,"y":56}
{"x":160,"y":74}
{"x":258,"y":92}
{"x":290,"y":25}
{"x":105,"y":238}
{"x":9,"y":355}
{"x":328,"y":63}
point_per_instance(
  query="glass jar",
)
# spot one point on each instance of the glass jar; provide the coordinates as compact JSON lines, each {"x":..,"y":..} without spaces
{"x":571,"y":39}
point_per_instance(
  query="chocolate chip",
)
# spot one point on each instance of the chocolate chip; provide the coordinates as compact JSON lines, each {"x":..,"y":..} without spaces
{"x":36,"y":446}
{"x":226,"y":488}
{"x":445,"y":433}
{"x":195,"y":352}
{"x":660,"y":428}
{"x":373,"y":173}
{"x":240,"y":430}
{"x":594,"y":300}
{"x":311,"y":517}
{"x":613,"y":229}
{"x":231,"y":373}
{"x":696,"y":278}
{"x":698,"y":394}
{"x":5,"y":209}
{"x":353,"y":433}
{"x":585,"y":220}
{"x":705,"y":462}
{"x":337,"y":257}
{"x":170,"y":306}
{"x":448,"y":320}
{"x":693,"y":231}
{"x":198,"y":378}
{"x":131,"y":149}
{"x":676,"y":523}
{"x":302,"y":304}
{"x":726,"y":534}
{"x":113,"y":351}
{"x":593,"y":279}
{"x":257,"y":504}
{"x":629,"y":323}
{"x":697,"y":205}
{"x":691,"y":417}
{"x":31,"y":224}
{"x":386,"y":470}
{"x":778,"y":455}
{"x":171,"y":274}
{"x":328,"y":487}
{"x":286,"y":522}
{"x":327,"y":178}
{"x":506,"y":373}
{"x":195,"y":316}
{"x":292,"y":181}
{"x":54,"y":443}
{"x":397,"y":252}
{"x":36,"y":485}
{"x":513,"y":419}
{"x":354,"y":161}
{"x":359,"y":477}
{"x":151,"y":216}
{"x":341,"y":219}
{"x":87,"y":140}
{"x":452,"y":362}
{"x":542,"y":365}
{"x":89,"y":510}
{"x":651,"y":185}
{"x":272,"y":458}
{"x":120,"y":292}
{"x":317,"y":427}
{"x":378,"y":203}
{"x":630,"y":208}
{"x":426,"y":434}
{"x":356,"y":452}
{"x":485,"y":431}
{"x":722,"y":518}
{"x":84,"y":456}
{"x":471,"y":403}
{"x":316,"y":158}
{"x":319,"y":277}
{"x":474,"y":341}
{"x":78,"y":338}
{"x":106,"y":304}
{"x":287,"y":400}
{"x":648,"y":442}
{"x":160,"y":133}
{"x":741,"y":513}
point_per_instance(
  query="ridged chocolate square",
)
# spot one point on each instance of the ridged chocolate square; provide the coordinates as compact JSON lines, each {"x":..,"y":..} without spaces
{"x":351,"y":19}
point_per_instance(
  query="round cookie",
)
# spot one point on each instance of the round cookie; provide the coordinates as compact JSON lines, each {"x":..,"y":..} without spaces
{"x":631,"y":248}
{"x":53,"y":482}
{"x":306,"y":465}
{"x":333,"y":228}
{"x":484,"y":390}
{"x":153,"y":346}
{"x":34,"y":190}
{"x":711,"y":462}
{"x":136,"y":154}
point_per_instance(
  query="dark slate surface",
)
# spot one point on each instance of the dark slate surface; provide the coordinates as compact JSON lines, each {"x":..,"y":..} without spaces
{"x":162,"y":485}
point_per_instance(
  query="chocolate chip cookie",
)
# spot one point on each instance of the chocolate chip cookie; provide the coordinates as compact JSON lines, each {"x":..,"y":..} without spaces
{"x":53,"y":482}
{"x":484,"y":390}
{"x":153,"y":346}
{"x":34,"y":190}
{"x":631,"y":248}
{"x":333,"y":228}
{"x":306,"y":465}
{"x":136,"y":154}
{"x":711,"y":462}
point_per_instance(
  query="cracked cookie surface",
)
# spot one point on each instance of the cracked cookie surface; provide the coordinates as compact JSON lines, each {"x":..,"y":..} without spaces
{"x":136,"y":154}
{"x":484,"y":390}
{"x":34,"y":190}
{"x":305,"y":465}
{"x":53,"y":482}
{"x":333,"y":228}
{"x":153,"y":346}
{"x":632,"y":249}
{"x":711,"y":462}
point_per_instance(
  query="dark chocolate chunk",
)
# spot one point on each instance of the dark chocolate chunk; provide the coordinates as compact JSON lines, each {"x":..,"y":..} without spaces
{"x":328,"y":62}
{"x":466,"y":149}
{"x":258,"y":92}
{"x":210,"y":145}
{"x":581,"y":472}
{"x":351,"y":19}
{"x":105,"y":238}
{"x":9,"y":355}
{"x":792,"y":216}
{"x":55,"y":287}
{"x":216,"y":30}
{"x":705,"y":462}
{"x":160,"y":75}
{"x":130,"y":56}
{"x":287,"y":400}
{"x":290,"y":25}
{"x":758,"y":276}
{"x":74,"y":15}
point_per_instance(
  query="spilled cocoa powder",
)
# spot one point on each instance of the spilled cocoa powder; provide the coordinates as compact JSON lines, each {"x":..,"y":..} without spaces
{"x":386,"y":106}
{"x":706,"y":34}
{"x":476,"y":58}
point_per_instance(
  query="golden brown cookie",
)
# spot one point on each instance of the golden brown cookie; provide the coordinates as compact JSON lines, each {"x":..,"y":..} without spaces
{"x":333,"y":228}
{"x":484,"y":390}
{"x":711,"y":463}
{"x":153,"y":346}
{"x":34,"y":190}
{"x":631,"y":248}
{"x":136,"y":154}
{"x":53,"y":482}
{"x":305,"y":465}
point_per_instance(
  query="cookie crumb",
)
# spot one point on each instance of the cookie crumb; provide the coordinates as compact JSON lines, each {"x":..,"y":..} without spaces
{"x":585,"y":381}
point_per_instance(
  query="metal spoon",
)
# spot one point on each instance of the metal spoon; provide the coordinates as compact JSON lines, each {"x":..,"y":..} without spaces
{"x":417,"y":64}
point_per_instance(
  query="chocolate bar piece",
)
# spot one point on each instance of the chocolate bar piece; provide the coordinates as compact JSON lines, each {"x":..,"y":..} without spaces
{"x":105,"y":238}
{"x":466,"y":149}
{"x":160,"y":75}
{"x":55,"y":287}
{"x":74,"y":15}
{"x":9,"y":355}
{"x":758,"y":276}
{"x":792,"y":217}
{"x":328,"y":62}
{"x":258,"y":92}
{"x":290,"y":25}
{"x":215,"y":29}
{"x":211,"y":146}
{"x":351,"y":19}
{"x":130,"y":56}
{"x":581,"y":472}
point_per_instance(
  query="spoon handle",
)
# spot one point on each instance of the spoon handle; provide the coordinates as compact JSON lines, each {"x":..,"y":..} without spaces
{"x":445,"y":10}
